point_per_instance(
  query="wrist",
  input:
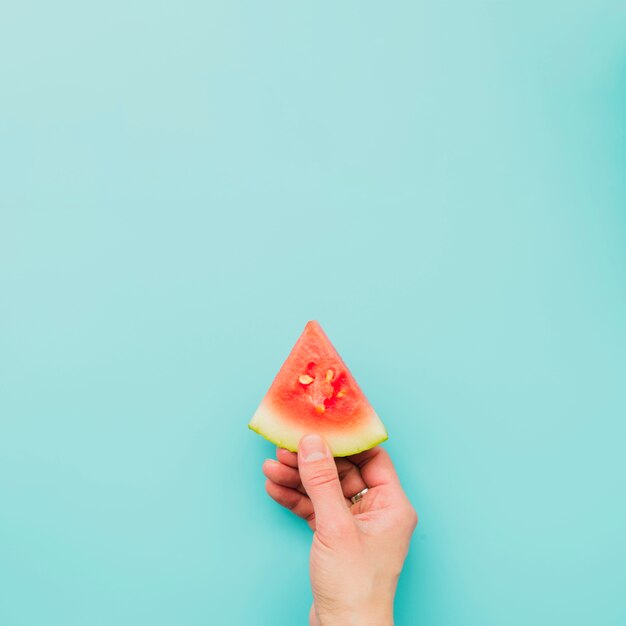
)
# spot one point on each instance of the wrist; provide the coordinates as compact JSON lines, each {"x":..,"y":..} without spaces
{"x":376,"y":614}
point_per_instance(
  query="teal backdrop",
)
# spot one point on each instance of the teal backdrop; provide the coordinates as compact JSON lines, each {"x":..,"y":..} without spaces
{"x":184,"y":184}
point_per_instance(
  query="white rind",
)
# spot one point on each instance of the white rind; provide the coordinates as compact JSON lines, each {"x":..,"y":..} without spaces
{"x":270,"y":424}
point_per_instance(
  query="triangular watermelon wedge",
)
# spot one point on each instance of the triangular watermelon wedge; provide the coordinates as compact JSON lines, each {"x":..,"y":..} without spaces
{"x":314,"y":392}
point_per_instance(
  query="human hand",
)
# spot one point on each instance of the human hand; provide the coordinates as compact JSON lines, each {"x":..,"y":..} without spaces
{"x":358,"y":549}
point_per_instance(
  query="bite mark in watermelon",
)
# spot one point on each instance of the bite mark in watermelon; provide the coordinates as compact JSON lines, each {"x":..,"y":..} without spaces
{"x":314,"y":392}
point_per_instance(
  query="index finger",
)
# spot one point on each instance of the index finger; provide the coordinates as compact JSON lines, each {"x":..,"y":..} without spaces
{"x":376,"y":467}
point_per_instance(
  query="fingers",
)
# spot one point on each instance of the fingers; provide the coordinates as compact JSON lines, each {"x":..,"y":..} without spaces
{"x":289,"y":477}
{"x":291,"y":499}
{"x":313,"y":621}
{"x":349,"y":475}
{"x":351,"y":480}
{"x":319,"y":476}
{"x":376,"y":467}
{"x":281,"y":474}
{"x":287,"y":457}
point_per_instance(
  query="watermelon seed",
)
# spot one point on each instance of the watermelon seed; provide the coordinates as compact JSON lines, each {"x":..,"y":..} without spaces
{"x":329,"y":375}
{"x":320,"y":408}
{"x":305,"y":379}
{"x":342,"y":393}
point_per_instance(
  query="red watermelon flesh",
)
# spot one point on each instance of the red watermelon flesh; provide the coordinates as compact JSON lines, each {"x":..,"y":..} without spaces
{"x":314,"y":392}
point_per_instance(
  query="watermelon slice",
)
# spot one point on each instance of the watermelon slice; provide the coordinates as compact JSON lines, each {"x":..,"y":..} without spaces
{"x":314,"y":392}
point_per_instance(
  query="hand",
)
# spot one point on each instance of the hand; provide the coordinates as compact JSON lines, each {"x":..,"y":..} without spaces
{"x":358,"y":549}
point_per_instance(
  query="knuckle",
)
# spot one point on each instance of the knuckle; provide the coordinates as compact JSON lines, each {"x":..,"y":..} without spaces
{"x":290,"y":503}
{"x":323,"y":477}
{"x":412,"y":518}
{"x":408,"y":518}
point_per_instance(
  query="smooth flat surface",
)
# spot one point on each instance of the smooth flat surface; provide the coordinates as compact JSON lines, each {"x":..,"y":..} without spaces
{"x":184,"y":184}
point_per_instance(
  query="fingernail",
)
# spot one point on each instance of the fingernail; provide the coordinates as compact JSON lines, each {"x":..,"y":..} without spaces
{"x":313,"y":448}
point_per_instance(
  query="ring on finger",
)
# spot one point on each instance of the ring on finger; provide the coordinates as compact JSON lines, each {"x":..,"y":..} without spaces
{"x":357,"y":496}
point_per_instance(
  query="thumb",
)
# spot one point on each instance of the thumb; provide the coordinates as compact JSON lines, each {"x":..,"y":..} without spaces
{"x":319,"y":477}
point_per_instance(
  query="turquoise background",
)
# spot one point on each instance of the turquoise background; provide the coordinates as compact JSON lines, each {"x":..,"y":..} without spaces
{"x":184,"y":184}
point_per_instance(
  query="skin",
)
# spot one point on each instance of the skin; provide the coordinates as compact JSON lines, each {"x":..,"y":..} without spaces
{"x":358,"y":550}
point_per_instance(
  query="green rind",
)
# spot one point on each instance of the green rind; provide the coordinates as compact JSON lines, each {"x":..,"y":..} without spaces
{"x":286,"y":447}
